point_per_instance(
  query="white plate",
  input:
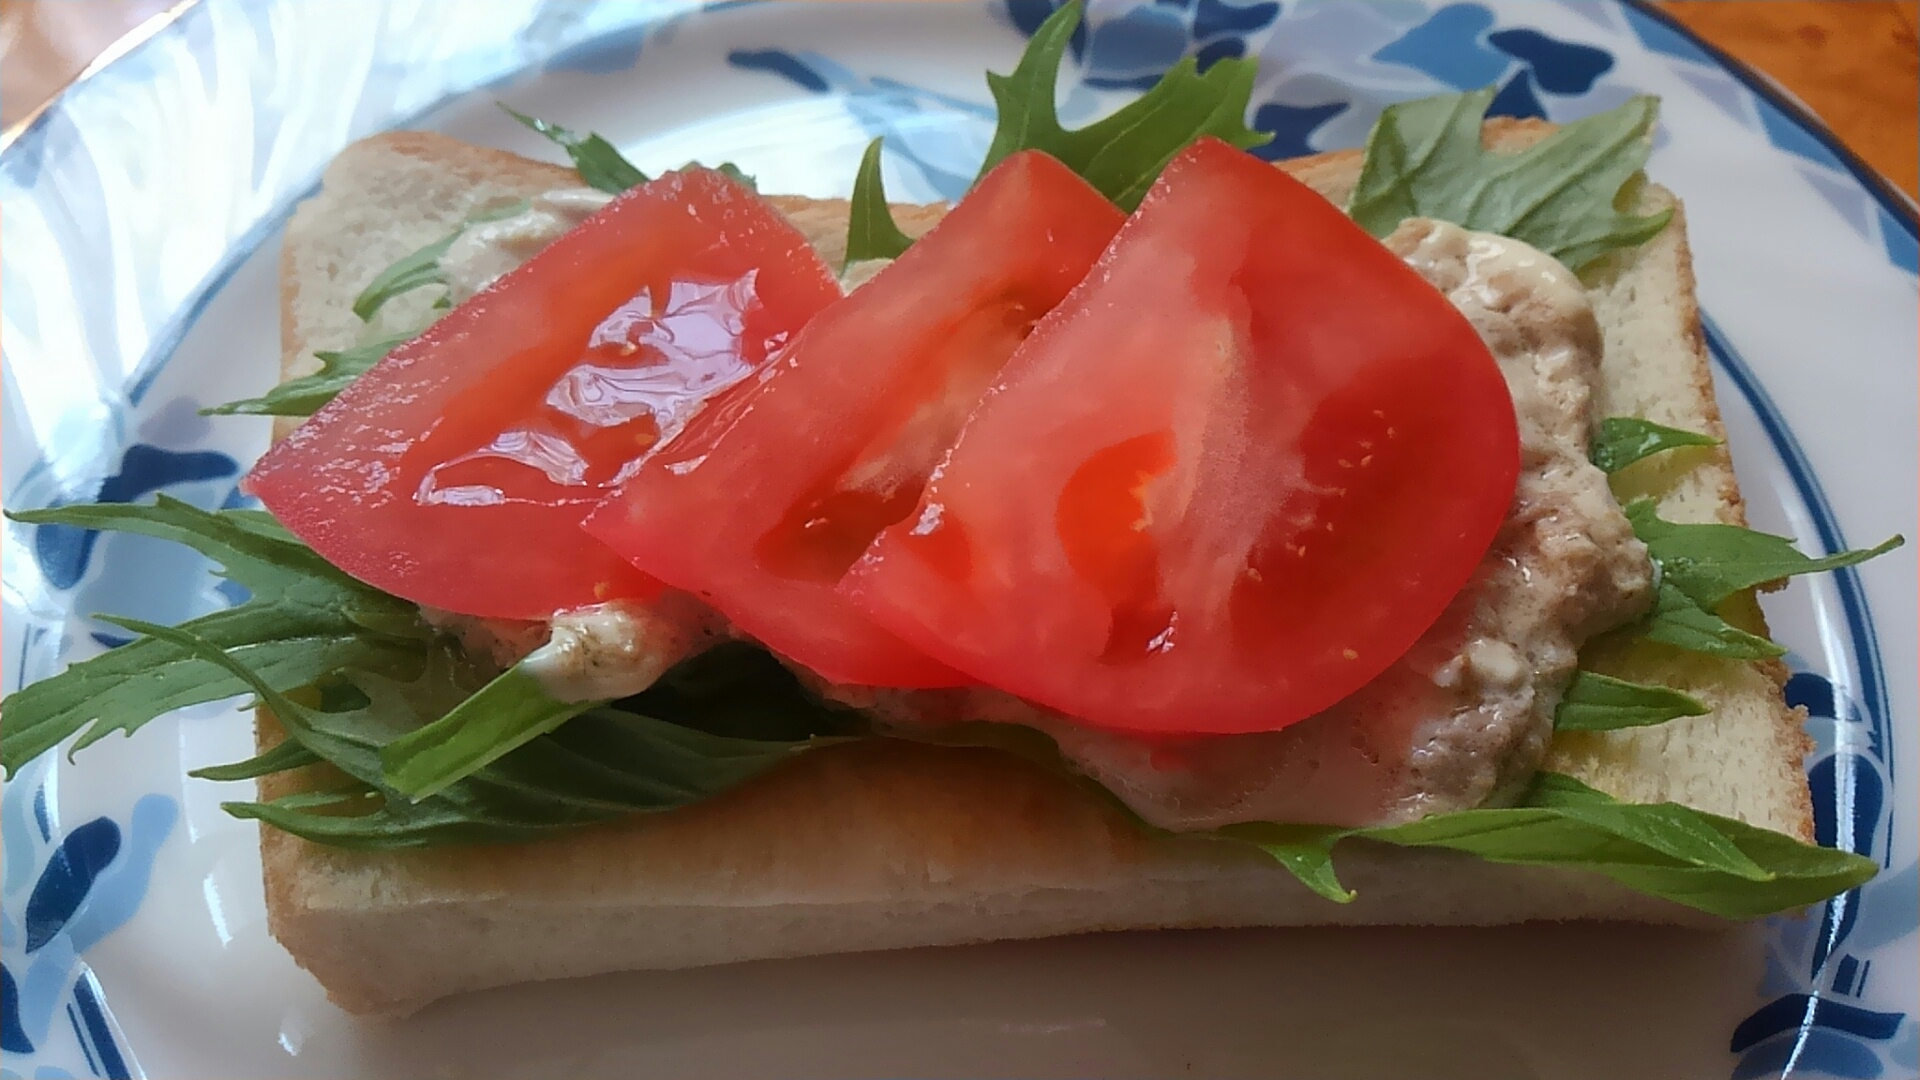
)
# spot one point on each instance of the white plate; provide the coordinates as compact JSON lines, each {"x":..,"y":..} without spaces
{"x":142,"y":215}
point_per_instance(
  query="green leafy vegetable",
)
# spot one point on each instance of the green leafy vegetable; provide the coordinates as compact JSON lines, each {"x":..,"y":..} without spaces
{"x":304,"y":396}
{"x":1707,"y":862}
{"x":1710,"y":863}
{"x":1712,"y":562}
{"x":606,"y":763}
{"x":415,"y":271}
{"x":732,"y":172}
{"x":1596,"y":702}
{"x":1122,"y":154}
{"x":1562,"y":195}
{"x":599,"y":162}
{"x":422,"y":268}
{"x":1625,"y":439}
{"x":500,"y":717}
{"x":288,"y":754}
{"x":871,"y":232}
{"x":1305,"y":850}
{"x":1678,"y":621}
{"x":303,"y":620}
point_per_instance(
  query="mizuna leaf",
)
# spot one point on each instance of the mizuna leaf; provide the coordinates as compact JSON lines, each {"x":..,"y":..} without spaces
{"x":1562,"y":195}
{"x":303,"y":620}
{"x":871,"y":232}
{"x":304,"y":396}
{"x":1122,"y":154}
{"x":1683,"y":624}
{"x":599,"y":162}
{"x":1624,"y":440}
{"x":422,"y":268}
{"x":1596,"y":702}
{"x":1711,"y":562}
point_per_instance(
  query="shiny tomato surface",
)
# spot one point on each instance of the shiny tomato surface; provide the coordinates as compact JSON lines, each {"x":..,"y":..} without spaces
{"x":768,"y":496}
{"x":1231,"y":478}
{"x":455,"y":473}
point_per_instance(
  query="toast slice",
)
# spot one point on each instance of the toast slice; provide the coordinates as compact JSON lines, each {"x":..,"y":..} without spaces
{"x":881,"y":845}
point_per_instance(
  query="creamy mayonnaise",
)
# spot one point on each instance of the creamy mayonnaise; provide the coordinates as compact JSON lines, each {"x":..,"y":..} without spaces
{"x":486,"y":251}
{"x":612,"y":650}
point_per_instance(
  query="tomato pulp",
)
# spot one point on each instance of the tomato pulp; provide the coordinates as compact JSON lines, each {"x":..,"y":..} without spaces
{"x":1233,"y":476}
{"x":762,"y":503}
{"x":455,"y":473}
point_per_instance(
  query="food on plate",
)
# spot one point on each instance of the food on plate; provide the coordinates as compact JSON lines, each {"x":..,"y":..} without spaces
{"x":666,"y":574}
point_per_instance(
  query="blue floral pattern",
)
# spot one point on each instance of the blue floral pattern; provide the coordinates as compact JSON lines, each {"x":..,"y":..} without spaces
{"x":62,"y":897}
{"x":1822,"y":1009}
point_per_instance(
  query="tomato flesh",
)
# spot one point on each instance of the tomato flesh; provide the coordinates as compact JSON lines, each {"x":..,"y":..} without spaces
{"x":455,"y":473}
{"x":766,"y":499}
{"x":1234,"y":476}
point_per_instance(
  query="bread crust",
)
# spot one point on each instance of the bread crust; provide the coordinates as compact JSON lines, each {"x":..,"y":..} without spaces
{"x":885,"y":844}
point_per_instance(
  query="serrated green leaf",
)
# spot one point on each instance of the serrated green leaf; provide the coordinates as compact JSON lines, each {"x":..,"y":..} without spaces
{"x":731,"y":171}
{"x":1683,"y":624}
{"x":1122,"y":154}
{"x":871,"y":231}
{"x":1596,"y":702}
{"x":304,"y":396}
{"x":415,"y":271}
{"x":599,"y":162}
{"x":1624,"y":440}
{"x":499,"y":718}
{"x":1562,"y":195}
{"x":303,"y":620}
{"x":422,"y":268}
{"x":607,"y":763}
{"x":1711,"y":562}
{"x":1704,"y":861}
{"x":285,"y":755}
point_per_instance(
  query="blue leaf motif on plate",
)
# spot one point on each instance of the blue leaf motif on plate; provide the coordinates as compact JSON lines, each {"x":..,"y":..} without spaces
{"x":1867,"y":791}
{"x":1027,"y":15}
{"x":118,"y":890}
{"x":1811,"y":691}
{"x":13,"y":1038}
{"x":1792,"y":1011}
{"x":1558,"y":67}
{"x":68,"y":876}
{"x":603,"y":55}
{"x":1215,"y":51}
{"x":779,"y":62}
{"x":1291,"y":126}
{"x":1829,"y":1053}
{"x":1517,"y":99}
{"x":1447,"y":47}
{"x":1212,"y":17}
{"x":64,"y":551}
{"x":1133,"y":51}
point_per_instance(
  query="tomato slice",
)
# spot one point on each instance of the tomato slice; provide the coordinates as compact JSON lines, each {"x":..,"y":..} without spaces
{"x":766,"y":499}
{"x":1228,"y":481}
{"x":455,"y":472}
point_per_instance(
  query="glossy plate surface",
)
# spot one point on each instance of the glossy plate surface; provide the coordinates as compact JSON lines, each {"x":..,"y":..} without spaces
{"x":142,"y":215}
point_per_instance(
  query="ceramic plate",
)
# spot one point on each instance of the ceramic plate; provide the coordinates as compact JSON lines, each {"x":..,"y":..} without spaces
{"x":142,"y":224}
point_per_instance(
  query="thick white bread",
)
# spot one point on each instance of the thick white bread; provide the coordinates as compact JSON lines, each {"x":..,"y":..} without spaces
{"x":890,"y":845}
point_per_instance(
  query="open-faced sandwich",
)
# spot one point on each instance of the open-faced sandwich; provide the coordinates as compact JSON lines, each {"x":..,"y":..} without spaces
{"x":654,"y":573}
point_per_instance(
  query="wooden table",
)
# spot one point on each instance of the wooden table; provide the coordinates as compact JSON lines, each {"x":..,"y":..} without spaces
{"x":1854,"y":62}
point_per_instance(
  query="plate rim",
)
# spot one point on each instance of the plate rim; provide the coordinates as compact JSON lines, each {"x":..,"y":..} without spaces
{"x":1899,"y":206}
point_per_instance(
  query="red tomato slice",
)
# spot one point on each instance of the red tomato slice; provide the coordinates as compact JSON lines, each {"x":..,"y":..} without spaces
{"x":1229,"y":480}
{"x":456,"y":472}
{"x":767,"y":498}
